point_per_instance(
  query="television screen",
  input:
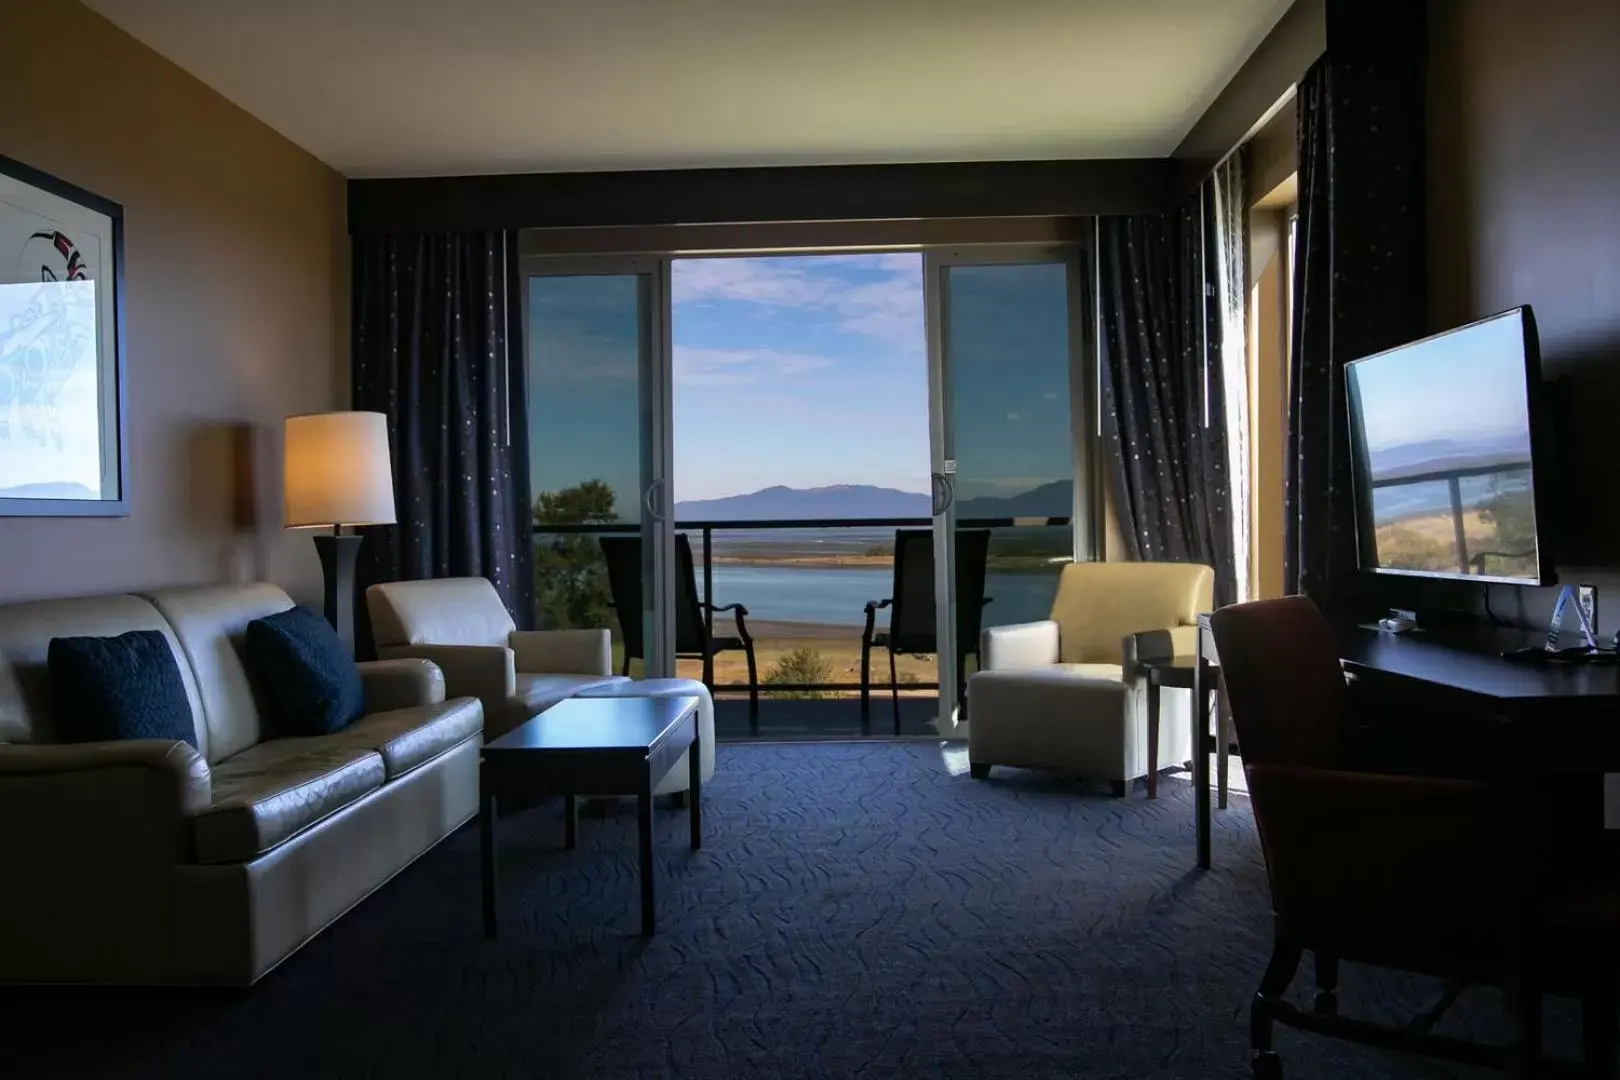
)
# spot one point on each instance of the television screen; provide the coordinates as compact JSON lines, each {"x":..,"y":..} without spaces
{"x":1442,"y":437}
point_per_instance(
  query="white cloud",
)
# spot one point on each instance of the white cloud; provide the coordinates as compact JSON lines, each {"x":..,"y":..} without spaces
{"x":1012,"y":416}
{"x":742,"y":367}
{"x":890,"y":308}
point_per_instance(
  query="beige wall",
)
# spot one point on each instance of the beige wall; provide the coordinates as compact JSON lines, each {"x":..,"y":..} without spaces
{"x":235,"y":305}
{"x":1268,"y":405}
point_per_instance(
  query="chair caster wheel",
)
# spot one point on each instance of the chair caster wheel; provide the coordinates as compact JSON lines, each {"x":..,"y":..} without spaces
{"x":1266,"y":1066}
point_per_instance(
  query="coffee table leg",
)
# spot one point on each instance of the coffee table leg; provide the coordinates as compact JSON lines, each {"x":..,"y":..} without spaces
{"x":644,"y":825}
{"x":570,"y":821}
{"x":694,"y":792}
{"x":1153,"y":702}
{"x":486,"y":836}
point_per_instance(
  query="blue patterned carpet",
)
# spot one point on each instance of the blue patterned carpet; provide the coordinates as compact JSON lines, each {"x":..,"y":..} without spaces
{"x":857,"y":911}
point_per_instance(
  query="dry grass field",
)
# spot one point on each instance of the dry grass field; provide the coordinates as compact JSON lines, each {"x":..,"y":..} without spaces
{"x":838,"y":647}
{"x":1428,"y":542}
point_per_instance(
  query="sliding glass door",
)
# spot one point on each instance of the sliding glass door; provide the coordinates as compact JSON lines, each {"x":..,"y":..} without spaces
{"x":1010,"y":407}
{"x":599,"y":389}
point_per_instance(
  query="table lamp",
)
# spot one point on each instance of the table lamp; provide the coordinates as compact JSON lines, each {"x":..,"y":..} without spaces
{"x":337,"y":472}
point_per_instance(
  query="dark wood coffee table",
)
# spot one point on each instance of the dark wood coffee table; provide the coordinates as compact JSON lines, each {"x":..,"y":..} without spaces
{"x":592,"y":746}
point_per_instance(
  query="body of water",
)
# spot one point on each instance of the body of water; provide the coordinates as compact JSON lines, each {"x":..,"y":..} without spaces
{"x":837,"y":596}
{"x":1399,"y":501}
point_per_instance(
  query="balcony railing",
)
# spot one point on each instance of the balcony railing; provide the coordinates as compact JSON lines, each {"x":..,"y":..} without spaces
{"x":1466,"y":561}
{"x":882,"y":579}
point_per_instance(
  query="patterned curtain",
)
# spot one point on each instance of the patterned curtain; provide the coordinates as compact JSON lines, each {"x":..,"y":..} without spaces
{"x":1163,"y":392}
{"x":438,"y":349}
{"x":1359,"y":268}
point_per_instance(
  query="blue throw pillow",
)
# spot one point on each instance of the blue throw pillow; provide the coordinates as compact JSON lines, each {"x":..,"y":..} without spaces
{"x":124,"y":687}
{"x":304,"y":673}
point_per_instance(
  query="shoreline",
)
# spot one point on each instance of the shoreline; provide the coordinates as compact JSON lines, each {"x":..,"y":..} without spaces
{"x":1013,"y":565}
{"x":776,"y":629}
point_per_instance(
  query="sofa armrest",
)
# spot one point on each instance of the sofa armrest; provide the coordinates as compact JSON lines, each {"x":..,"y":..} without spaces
{"x":170,"y":764}
{"x":1019,"y":647}
{"x":486,"y":672}
{"x":107,"y":801}
{"x":401,"y":684}
{"x":563,"y":652}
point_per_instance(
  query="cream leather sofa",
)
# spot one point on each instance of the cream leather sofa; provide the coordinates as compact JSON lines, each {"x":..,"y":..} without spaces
{"x":1057,"y":693}
{"x":462,"y":626}
{"x":148,"y":861}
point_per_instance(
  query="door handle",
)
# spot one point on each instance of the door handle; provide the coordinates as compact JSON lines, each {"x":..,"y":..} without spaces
{"x":647,"y":500}
{"x":944,"y":492}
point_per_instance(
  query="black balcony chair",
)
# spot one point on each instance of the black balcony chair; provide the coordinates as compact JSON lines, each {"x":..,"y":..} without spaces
{"x":912,"y":629}
{"x":692,"y":639}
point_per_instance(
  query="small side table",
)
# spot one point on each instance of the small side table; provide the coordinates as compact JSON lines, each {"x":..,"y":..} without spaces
{"x":1178,"y":672}
{"x":1207,"y":672}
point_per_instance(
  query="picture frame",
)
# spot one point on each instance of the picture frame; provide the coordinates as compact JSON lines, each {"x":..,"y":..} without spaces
{"x":63,"y":445}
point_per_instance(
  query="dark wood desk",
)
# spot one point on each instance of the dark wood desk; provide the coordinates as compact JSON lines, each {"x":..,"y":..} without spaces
{"x":1557,"y":718}
{"x":593,"y":746}
{"x":1537,"y":723}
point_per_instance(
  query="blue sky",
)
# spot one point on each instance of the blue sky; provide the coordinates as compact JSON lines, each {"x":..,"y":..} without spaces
{"x":802,"y":371}
{"x":799,"y":371}
{"x":1461,"y":385}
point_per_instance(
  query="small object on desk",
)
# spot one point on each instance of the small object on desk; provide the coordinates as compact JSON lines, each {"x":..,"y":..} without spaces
{"x":1397,"y":624}
{"x":1567,"y":598}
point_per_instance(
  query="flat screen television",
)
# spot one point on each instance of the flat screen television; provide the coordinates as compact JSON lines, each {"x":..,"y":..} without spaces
{"x":1446,"y":438}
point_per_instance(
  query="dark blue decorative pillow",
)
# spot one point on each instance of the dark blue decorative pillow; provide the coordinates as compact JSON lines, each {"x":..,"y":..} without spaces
{"x":124,"y":687}
{"x":304,"y":673}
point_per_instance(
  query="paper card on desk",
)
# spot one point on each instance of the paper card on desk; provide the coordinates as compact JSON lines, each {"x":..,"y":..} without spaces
{"x":1611,"y":800}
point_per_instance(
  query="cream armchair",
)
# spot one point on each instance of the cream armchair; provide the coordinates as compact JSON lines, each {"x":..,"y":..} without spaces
{"x":1062,"y":693}
{"x":462,"y":626}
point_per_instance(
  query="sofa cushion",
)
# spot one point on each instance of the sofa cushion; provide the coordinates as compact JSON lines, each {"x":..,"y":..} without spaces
{"x":1088,"y":671}
{"x":1099,"y":603}
{"x":540,"y":692}
{"x":123,"y":687}
{"x":271,"y":792}
{"x":410,"y":737}
{"x":304,"y":673}
{"x":27,"y":714}
{"x":210,"y":622}
{"x":441,"y":611}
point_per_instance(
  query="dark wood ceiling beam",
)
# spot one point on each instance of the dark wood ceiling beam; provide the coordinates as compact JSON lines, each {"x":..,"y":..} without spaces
{"x":999,"y":189}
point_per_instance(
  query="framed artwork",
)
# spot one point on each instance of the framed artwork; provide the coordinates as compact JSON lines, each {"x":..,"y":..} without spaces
{"x":62,"y":449}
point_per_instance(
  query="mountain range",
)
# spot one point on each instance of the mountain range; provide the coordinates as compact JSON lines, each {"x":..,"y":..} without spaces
{"x":781,"y":503}
{"x":838,"y":501}
{"x":1439,"y":455}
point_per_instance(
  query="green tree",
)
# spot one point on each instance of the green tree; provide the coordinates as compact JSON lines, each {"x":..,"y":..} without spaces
{"x":801,"y":665}
{"x":570,"y":578}
{"x":1511,"y":511}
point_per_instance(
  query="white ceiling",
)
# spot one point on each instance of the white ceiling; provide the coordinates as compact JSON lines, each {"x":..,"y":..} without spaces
{"x":433,"y":87}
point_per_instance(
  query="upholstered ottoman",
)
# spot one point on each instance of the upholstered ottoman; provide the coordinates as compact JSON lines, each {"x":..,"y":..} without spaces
{"x":1072,"y":717}
{"x":676,"y":781}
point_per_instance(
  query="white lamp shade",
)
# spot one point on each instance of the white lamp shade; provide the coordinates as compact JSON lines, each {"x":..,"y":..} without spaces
{"x":337,"y":470}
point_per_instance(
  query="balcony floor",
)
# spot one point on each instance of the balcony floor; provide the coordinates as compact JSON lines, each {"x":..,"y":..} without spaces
{"x":825,"y":718}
